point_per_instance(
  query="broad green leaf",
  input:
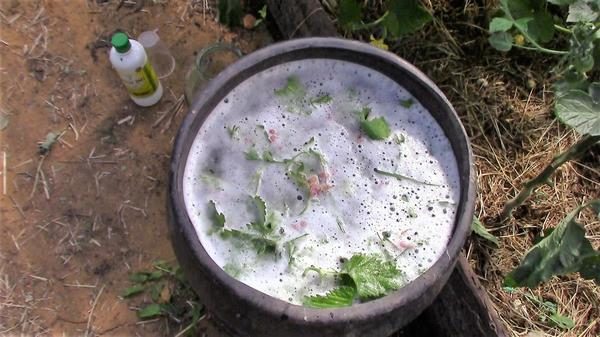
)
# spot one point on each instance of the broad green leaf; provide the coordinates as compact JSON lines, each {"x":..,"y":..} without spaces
{"x":590,"y":269}
{"x":372,"y":276}
{"x":594,"y":92}
{"x":501,"y":41}
{"x":541,"y":28}
{"x":500,"y":25}
{"x":155,"y":275}
{"x":261,"y":244}
{"x":218,"y":219}
{"x":261,"y":225}
{"x":580,"y":11}
{"x":133,"y":290}
{"x":405,"y":17}
{"x":150,"y":311}
{"x":376,"y":128}
{"x":561,"y":321}
{"x":350,"y":13}
{"x":565,"y":250}
{"x":572,"y":80}
{"x":230,"y":12}
{"x":339,"y":297}
{"x":480,"y":230}
{"x":577,"y":109}
{"x":582,"y":49}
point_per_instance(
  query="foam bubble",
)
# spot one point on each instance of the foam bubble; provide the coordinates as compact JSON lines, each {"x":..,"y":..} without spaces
{"x":362,"y":204}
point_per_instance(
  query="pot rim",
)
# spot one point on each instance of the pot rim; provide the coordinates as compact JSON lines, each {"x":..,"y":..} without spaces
{"x":206,"y":100}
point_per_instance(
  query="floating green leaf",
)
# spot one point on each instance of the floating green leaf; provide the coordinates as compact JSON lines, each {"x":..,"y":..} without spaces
{"x":406,"y":103}
{"x":577,"y":109}
{"x":218,"y":219}
{"x":252,"y":154}
{"x":375,"y":128}
{"x":336,"y":298}
{"x":292,"y":88}
{"x":321,"y":99}
{"x":372,"y":276}
{"x":480,"y":230}
{"x":565,"y":250}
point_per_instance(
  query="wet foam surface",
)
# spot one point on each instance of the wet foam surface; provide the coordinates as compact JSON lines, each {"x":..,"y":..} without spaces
{"x":352,"y":207}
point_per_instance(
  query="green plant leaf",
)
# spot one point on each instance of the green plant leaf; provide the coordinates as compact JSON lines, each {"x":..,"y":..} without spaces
{"x":571,"y":80}
{"x":541,"y":28}
{"x":372,"y":276}
{"x":133,"y":290}
{"x":577,"y":109}
{"x":150,"y":311}
{"x":261,"y":225}
{"x":375,"y":128}
{"x":480,"y":230}
{"x":218,"y":219}
{"x":263,"y":12}
{"x":321,"y":99}
{"x":405,"y":17}
{"x":139,"y":277}
{"x":406,"y":103}
{"x":561,"y":321}
{"x":338,"y":297}
{"x":252,"y":154}
{"x":580,"y":11}
{"x":561,"y":2}
{"x":501,"y":41}
{"x":500,"y":25}
{"x":230,"y":12}
{"x":261,"y":244}
{"x":293,"y":88}
{"x":594,"y":92}
{"x":350,"y":14}
{"x":565,"y":250}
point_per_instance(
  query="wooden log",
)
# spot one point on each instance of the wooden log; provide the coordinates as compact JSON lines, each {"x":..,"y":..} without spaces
{"x":462,"y":308}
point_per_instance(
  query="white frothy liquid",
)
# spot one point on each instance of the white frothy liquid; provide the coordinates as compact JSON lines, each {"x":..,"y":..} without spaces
{"x":360,"y":210}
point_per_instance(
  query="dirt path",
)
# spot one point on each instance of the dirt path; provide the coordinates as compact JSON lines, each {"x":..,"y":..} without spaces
{"x":75,"y":222}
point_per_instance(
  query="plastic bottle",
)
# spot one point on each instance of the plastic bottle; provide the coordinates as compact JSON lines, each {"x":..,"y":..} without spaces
{"x":131,"y":63}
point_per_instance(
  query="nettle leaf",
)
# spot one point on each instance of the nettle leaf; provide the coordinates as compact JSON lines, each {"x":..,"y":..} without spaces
{"x":350,"y":13}
{"x":375,"y":128}
{"x":218,"y":219}
{"x":501,"y":41}
{"x":261,"y":224}
{"x":133,"y":290}
{"x":479,"y":229}
{"x":577,"y":109}
{"x":500,"y":25}
{"x":405,"y":17}
{"x":339,"y":297}
{"x":580,"y":11}
{"x":372,"y":276}
{"x":293,"y":88}
{"x":565,"y":250}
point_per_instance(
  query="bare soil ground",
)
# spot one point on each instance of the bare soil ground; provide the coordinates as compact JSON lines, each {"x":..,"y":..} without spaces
{"x":76,"y":222}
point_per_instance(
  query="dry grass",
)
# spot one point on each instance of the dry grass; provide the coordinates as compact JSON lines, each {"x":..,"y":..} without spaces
{"x":505,"y":102}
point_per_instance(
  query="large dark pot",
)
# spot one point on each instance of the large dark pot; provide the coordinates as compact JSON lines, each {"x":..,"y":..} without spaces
{"x":249,"y":312}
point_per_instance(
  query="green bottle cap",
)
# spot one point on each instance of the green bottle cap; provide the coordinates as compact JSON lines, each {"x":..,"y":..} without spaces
{"x":121,"y":42}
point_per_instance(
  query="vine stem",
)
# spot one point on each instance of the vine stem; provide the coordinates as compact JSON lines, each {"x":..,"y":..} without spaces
{"x":563,"y":29}
{"x":527,"y":36}
{"x":543,"y":177}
